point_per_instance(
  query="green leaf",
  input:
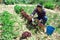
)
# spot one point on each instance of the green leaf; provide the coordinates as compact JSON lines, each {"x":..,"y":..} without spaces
{"x":17,"y":9}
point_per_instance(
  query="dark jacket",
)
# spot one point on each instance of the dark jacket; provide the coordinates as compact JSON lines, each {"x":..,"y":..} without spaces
{"x":40,"y":14}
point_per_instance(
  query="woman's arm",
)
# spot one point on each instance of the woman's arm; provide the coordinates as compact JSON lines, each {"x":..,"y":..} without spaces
{"x":33,"y":13}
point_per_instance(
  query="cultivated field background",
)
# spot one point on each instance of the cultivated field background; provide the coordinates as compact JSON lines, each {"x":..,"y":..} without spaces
{"x":20,"y":24}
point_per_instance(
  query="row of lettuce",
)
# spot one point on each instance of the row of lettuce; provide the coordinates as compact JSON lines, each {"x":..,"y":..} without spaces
{"x":7,"y":22}
{"x":50,"y":4}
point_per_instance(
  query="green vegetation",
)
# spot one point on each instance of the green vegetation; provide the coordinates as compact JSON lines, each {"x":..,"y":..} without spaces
{"x":17,"y":9}
{"x":9,"y":2}
{"x":49,"y":5}
{"x":8,"y":26}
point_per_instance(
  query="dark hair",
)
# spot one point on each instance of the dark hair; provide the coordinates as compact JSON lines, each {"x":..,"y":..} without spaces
{"x":39,"y":5}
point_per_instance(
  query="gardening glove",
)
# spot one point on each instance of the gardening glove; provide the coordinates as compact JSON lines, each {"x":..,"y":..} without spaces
{"x":32,"y":19}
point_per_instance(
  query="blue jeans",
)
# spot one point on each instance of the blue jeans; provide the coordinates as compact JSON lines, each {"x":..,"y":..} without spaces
{"x":44,"y":19}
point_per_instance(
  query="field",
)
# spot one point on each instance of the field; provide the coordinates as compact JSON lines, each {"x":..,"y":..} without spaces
{"x":14,"y":25}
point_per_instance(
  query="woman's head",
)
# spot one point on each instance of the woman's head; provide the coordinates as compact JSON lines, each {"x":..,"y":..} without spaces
{"x":39,"y":7}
